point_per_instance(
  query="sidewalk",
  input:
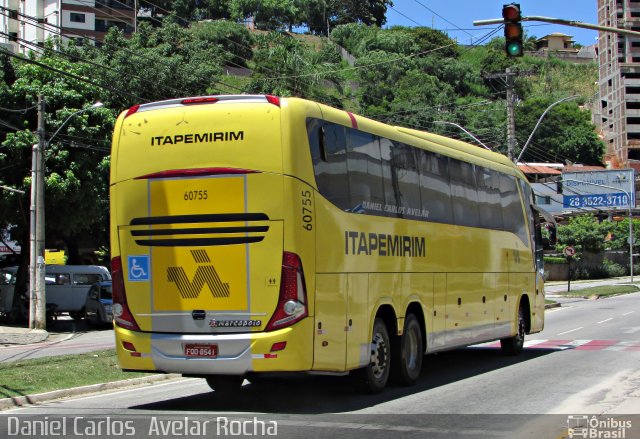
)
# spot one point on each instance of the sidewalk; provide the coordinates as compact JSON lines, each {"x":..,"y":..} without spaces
{"x":18,"y":335}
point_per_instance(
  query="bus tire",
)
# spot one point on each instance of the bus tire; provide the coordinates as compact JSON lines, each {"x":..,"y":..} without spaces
{"x":513,"y":345}
{"x":225,"y":383}
{"x":375,"y":375}
{"x":407,"y":353}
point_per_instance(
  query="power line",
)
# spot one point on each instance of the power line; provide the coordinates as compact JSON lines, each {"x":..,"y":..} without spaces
{"x":435,"y":13}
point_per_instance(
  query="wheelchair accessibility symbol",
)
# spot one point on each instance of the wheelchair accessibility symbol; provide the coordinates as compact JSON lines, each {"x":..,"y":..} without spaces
{"x":138,"y":268}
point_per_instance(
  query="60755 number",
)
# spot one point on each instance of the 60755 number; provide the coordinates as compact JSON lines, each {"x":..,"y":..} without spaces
{"x":195,"y":195}
{"x":307,"y":213}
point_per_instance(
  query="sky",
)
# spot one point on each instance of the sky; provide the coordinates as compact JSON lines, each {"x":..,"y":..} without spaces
{"x":452,"y":15}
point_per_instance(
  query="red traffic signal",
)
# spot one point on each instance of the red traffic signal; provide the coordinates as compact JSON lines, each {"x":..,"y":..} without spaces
{"x":511,"y":12}
{"x":513,"y":33}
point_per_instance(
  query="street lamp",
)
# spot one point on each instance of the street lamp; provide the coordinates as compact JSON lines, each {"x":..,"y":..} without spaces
{"x":538,"y":123}
{"x":37,"y":294}
{"x":631,"y":238}
{"x":444,"y":122}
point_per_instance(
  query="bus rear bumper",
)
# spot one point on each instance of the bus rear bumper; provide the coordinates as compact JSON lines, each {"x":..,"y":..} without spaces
{"x":236,"y":354}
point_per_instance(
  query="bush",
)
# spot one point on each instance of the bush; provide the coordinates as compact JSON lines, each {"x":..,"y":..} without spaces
{"x":555,"y":260}
{"x":613,"y":269}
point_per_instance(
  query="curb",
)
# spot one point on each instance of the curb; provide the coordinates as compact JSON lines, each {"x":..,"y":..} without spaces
{"x":20,"y":401}
{"x":552,"y":305}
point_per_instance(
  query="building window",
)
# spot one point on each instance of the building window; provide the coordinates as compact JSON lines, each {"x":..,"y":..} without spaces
{"x":76,"y":17}
{"x":543,"y":199}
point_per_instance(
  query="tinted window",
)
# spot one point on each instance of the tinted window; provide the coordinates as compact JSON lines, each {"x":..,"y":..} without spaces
{"x":390,"y":187}
{"x":434,"y":186}
{"x":105,"y":293}
{"x":407,"y":178}
{"x":489,"y":203}
{"x":329,"y":154}
{"x":365,"y":172}
{"x":57,"y":279}
{"x":86,"y":279}
{"x":464,"y":196}
{"x":512,"y":215}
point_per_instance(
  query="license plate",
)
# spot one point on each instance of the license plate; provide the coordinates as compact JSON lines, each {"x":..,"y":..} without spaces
{"x":201,"y":350}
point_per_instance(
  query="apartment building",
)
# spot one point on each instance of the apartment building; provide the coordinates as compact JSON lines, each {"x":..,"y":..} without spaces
{"x":619,"y":73}
{"x":25,"y":24}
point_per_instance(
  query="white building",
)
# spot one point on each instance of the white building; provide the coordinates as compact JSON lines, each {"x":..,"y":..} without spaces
{"x":25,"y":24}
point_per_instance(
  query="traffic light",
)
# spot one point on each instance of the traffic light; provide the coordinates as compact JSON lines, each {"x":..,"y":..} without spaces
{"x":512,"y":29}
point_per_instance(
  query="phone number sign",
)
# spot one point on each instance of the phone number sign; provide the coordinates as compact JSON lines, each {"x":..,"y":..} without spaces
{"x":595,"y":200}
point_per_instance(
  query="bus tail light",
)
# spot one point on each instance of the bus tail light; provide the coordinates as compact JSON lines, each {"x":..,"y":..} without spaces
{"x":132,"y":110}
{"x":292,"y":302}
{"x":121,"y":312}
{"x":275,"y":100}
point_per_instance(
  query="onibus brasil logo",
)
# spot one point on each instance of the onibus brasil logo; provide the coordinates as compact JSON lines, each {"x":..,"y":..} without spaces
{"x":582,"y":426}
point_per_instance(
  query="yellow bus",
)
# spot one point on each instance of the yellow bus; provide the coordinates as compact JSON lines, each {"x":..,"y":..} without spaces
{"x":254,"y":234}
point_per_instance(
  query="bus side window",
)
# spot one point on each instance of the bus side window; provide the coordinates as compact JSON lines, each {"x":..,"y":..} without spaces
{"x":489,"y":205}
{"x":512,"y":214}
{"x":464,"y":193}
{"x":407,"y":179}
{"x":435,"y":193}
{"x":330,"y":162}
{"x":365,"y":172}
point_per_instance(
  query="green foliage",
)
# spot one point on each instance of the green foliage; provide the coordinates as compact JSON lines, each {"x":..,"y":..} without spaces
{"x":584,"y":232}
{"x":566,"y":131}
{"x":613,"y":269}
{"x":554,"y":260}
{"x":267,"y":14}
{"x":286,"y":66}
{"x":233,"y":38}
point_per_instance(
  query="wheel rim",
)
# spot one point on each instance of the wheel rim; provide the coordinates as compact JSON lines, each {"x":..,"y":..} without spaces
{"x":412,"y":350}
{"x":379,"y":355}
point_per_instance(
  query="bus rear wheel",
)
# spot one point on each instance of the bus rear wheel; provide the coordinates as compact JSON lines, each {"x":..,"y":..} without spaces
{"x":374,"y":377}
{"x":225,"y":383}
{"x":513,"y":345}
{"x":406,"y":362}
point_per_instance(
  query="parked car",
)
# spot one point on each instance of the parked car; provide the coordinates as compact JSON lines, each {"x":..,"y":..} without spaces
{"x":99,"y":303}
{"x":65,"y":285}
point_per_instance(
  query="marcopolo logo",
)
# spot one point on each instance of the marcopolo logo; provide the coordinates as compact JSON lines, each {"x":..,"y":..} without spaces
{"x":205,"y":274}
{"x":581,"y":426}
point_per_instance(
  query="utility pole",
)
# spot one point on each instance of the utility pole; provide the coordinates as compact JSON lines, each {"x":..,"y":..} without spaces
{"x":511,"y":117}
{"x":37,"y":299}
{"x":507,"y":77}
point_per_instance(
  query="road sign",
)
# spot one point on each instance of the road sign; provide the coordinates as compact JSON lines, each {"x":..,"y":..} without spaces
{"x":569,"y":251}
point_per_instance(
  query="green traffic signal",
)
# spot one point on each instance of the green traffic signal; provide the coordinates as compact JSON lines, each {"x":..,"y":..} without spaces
{"x":514,"y":49}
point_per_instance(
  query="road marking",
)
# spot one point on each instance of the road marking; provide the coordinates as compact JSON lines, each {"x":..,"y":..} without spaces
{"x":580,"y":345}
{"x":630,"y":312}
{"x":571,"y":330}
{"x":605,"y":320}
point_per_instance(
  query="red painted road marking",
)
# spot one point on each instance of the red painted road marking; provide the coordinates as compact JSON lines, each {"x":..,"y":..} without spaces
{"x":596,"y":345}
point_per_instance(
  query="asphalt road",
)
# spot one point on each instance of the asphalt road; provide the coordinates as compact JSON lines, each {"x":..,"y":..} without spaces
{"x":585,"y":362}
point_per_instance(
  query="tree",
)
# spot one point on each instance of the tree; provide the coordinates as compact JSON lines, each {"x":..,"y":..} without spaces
{"x":565,"y":133}
{"x":585,"y":233}
{"x":286,"y":66}
{"x":267,"y":14}
{"x":321,"y":16}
